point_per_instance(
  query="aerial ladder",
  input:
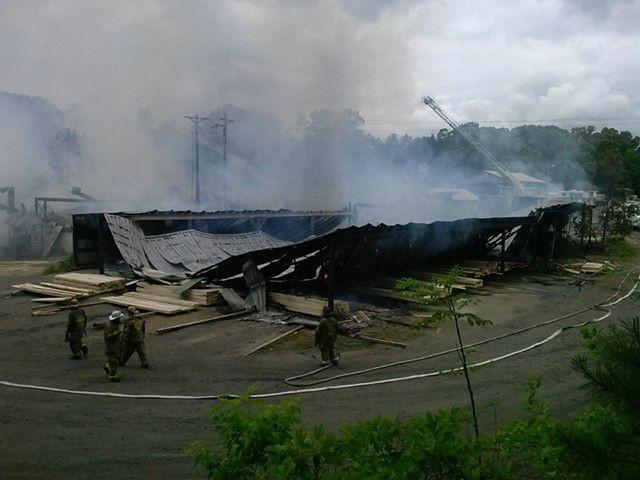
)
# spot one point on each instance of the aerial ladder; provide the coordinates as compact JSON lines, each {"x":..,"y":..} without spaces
{"x":488,"y":156}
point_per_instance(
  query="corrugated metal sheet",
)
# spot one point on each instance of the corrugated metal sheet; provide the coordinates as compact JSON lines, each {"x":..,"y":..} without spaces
{"x":182,"y":252}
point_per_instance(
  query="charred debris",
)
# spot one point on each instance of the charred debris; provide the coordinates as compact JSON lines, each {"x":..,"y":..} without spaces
{"x":317,"y":254}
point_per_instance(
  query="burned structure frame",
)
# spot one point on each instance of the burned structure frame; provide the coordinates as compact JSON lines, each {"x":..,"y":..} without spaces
{"x":93,"y":244}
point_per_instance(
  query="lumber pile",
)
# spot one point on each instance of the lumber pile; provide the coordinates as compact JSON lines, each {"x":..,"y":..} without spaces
{"x":142,"y":303}
{"x":587,"y":268}
{"x":200,"y":296}
{"x":57,"y":291}
{"x":477,"y":269}
{"x":361,"y":317}
{"x":307,"y":305}
{"x":72,"y":285}
{"x":90,"y":281}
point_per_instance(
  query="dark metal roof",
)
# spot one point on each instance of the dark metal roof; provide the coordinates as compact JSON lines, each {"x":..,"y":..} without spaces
{"x":227,"y":214}
{"x":422,"y":240}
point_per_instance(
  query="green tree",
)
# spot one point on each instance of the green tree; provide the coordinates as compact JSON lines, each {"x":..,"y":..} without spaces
{"x":442,"y":293}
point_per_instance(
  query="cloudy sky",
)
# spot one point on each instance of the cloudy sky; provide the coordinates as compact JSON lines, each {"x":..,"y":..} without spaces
{"x":501,"y":62}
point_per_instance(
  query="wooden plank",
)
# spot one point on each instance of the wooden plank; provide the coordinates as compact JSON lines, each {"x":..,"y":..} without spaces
{"x":382,"y":341}
{"x":273,"y":340}
{"x":204,"y":296}
{"x":51,"y":299}
{"x":164,"y":308}
{"x":360,"y":317}
{"x":162,"y":299}
{"x":99,"y":282}
{"x":52,"y":311}
{"x":173,"y":328}
{"x":38,"y":289}
{"x":307,"y":305}
{"x":66,"y":287}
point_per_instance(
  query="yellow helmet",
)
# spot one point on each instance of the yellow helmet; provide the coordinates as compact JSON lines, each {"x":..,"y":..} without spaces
{"x":132,"y":309}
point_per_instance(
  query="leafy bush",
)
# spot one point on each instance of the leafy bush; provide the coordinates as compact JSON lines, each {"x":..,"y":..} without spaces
{"x":62,"y":266}
{"x":268,"y":441}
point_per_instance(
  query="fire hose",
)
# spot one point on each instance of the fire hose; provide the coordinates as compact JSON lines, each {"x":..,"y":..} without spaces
{"x":291,"y":380}
{"x":609,"y":302}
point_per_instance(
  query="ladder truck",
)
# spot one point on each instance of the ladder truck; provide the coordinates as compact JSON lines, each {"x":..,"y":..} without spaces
{"x":486,"y":154}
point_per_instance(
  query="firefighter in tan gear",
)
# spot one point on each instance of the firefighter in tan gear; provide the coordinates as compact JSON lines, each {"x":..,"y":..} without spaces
{"x":133,"y":338}
{"x":326,"y":333}
{"x":76,"y":329}
{"x":113,"y":345}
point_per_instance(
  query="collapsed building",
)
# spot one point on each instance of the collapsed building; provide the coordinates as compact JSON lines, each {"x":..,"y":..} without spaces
{"x":320,"y":251}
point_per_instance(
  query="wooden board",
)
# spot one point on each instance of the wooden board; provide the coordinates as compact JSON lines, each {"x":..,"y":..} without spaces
{"x":273,"y":340}
{"x":142,"y":304}
{"x":307,"y":305}
{"x":99,"y":282}
{"x":229,"y":316}
{"x":51,"y":300}
{"x":162,"y":299}
{"x":47,"y":291}
{"x":204,"y":296}
{"x":66,"y":287}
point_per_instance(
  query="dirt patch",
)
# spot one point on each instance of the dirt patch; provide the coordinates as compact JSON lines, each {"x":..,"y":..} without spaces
{"x":75,"y":436}
{"x":25,"y":268}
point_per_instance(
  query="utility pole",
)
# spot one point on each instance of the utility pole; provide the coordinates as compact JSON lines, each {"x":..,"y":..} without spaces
{"x":196,"y":120}
{"x":224,"y":121}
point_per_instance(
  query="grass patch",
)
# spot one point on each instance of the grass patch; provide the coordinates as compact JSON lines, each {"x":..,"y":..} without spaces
{"x":62,"y":266}
{"x":621,"y":250}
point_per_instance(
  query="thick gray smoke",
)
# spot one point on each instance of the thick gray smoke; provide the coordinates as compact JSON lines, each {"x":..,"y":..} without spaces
{"x":123,"y":74}
{"x":110,"y":61}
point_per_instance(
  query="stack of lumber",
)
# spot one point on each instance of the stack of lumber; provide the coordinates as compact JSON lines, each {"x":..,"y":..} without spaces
{"x":163,"y":305}
{"x":589,"y":268}
{"x":477,"y":269}
{"x":312,"y":306}
{"x":54,"y":292}
{"x":90,"y":281}
{"x":462,"y":282}
{"x":72,"y":285}
{"x":201,"y":296}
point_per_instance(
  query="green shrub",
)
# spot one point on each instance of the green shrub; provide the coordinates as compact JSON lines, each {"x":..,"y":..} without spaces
{"x":62,"y":266}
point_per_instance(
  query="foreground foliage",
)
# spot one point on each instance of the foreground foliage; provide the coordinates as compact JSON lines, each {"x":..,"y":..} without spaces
{"x":268,"y":441}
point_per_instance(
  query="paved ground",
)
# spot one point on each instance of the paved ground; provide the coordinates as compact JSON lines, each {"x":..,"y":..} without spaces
{"x":50,"y":435}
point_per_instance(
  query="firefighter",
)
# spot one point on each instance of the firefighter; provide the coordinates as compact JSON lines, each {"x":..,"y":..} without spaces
{"x":76,"y":329}
{"x":326,"y":333}
{"x":112,"y":345}
{"x":133,"y":338}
